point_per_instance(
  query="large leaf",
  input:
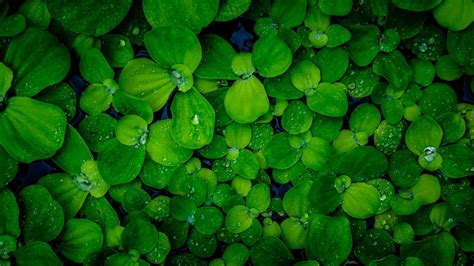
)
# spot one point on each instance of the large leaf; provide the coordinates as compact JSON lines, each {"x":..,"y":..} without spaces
{"x":455,"y":15}
{"x":216,"y":59}
{"x":162,"y":148}
{"x":328,"y":239}
{"x":361,"y":200}
{"x":9,"y":214}
{"x":73,"y":153}
{"x":38,"y":60}
{"x":130,"y":159}
{"x":271,"y":56}
{"x":37,"y":253}
{"x":144,"y":79}
{"x":31,"y":130}
{"x":270,"y":251}
{"x":240,"y":94}
{"x":193,"y":14}
{"x":79,"y":239}
{"x":89,"y":16}
{"x":193,"y":120}
{"x":173,"y":45}
{"x":422,"y":133}
{"x":288,"y":14}
{"x":63,"y":189}
{"x":44,"y":217}
{"x":417,"y":6}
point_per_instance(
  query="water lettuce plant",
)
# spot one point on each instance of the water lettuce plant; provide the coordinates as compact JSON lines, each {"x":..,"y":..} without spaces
{"x":236,"y":132}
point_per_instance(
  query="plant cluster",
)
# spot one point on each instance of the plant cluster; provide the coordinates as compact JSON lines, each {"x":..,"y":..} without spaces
{"x":338,"y":137}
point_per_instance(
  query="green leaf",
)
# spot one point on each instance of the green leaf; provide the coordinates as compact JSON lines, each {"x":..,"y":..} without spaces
{"x":8,"y":168}
{"x":9,"y":214}
{"x":360,"y":82}
{"x":174,"y":45}
{"x":364,"y":163}
{"x":239,"y":218}
{"x":79,"y":239}
{"x":404,"y":169}
{"x":336,"y":8}
{"x":422,"y":133}
{"x":140,"y":235}
{"x":130,"y":105}
{"x":441,"y":248}
{"x":417,"y":6}
{"x":453,"y":125}
{"x":364,"y":44}
{"x":194,"y":14}
{"x":100,"y":211}
{"x":374,"y":245}
{"x":202,"y":245}
{"x":231,"y":9}
{"x":337,"y":35}
{"x":328,"y":239}
{"x":448,"y":69}
{"x":323,"y":195}
{"x":281,"y":87}
{"x":97,"y":129}
{"x":427,"y":189}
{"x":328,"y":99}
{"x":73,"y":153}
{"x":96,"y":18}
{"x":259,"y":197}
{"x":161,"y":250}
{"x":237,"y":135}
{"x":63,"y":96}
{"x":217,"y":58}
{"x":438,"y":99}
{"x":361,"y":200}
{"x":208,"y":220}
{"x":31,"y":130}
{"x":458,"y":44}
{"x":406,"y":23}
{"x":44,"y":217}
{"x":288,"y":14}
{"x":94,"y":67}
{"x":37,"y":60}
{"x":131,"y":130}
{"x":240,"y":93}
{"x":246,"y":165}
{"x":37,"y":253}
{"x":162,"y":148}
{"x":270,"y":251}
{"x":193,"y":120}
{"x":117,"y":49}
{"x":316,"y":153}
{"x":365,"y":118}
{"x":12,"y":25}
{"x":96,"y":99}
{"x":271,"y":56}
{"x":305,"y":75}
{"x":395,"y":69}
{"x":458,"y":160}
{"x":144,"y":79}
{"x":236,"y":253}
{"x":333,"y":63}
{"x":297,"y":118}
{"x":455,"y":15}
{"x":62,"y":188}
{"x":5,"y":81}
{"x":296,"y":200}
{"x":130,"y":158}
{"x":423,"y":71}
{"x":279,"y":153}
